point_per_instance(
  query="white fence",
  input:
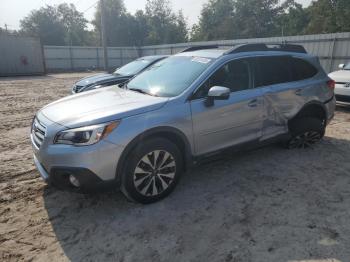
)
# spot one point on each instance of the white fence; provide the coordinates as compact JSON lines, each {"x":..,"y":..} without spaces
{"x":76,"y":58}
{"x":20,"y":56}
{"x":332,"y":49}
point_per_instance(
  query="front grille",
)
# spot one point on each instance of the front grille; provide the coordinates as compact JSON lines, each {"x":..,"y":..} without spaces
{"x":38,"y":132}
{"x":341,"y":98}
{"x":77,"y":88}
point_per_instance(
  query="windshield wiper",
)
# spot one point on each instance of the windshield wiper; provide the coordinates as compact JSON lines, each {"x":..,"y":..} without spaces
{"x":140,"y":91}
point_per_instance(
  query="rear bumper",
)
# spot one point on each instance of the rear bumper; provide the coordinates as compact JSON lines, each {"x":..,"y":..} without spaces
{"x":330,"y":107}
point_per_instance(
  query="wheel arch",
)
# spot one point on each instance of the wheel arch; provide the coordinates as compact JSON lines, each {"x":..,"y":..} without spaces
{"x":172,"y":134}
{"x":311,"y":109}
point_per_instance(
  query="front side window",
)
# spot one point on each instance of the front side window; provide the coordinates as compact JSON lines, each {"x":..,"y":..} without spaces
{"x":235,"y":75}
{"x":170,"y":77}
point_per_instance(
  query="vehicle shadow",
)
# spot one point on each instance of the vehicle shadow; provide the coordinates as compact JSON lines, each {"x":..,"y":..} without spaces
{"x":269,"y":204}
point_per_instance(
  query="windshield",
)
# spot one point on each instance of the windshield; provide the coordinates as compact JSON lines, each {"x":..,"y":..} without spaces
{"x":133,"y":68}
{"x":347,"y":66}
{"x":170,"y":77}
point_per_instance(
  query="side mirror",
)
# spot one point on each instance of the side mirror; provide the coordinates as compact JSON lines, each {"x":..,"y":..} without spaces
{"x":217,"y":93}
{"x":341,"y":66}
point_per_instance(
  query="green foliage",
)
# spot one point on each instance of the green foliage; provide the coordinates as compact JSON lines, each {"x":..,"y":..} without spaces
{"x":159,"y":24}
{"x":257,"y":17}
{"x":229,"y":19}
{"x":165,"y":27}
{"x":329,"y":16}
{"x":294,"y":21}
{"x":216,"y":21}
{"x":57,"y":25}
{"x":117,"y":22}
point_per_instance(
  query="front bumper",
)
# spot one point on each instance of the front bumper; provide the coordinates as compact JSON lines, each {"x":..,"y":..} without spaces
{"x":342,"y":98}
{"x":93,"y":166}
{"x":342,"y":93}
{"x":44,"y":174}
{"x":59,"y":178}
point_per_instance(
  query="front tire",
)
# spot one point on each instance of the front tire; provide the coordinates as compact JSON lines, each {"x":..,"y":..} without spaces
{"x":152,"y":171}
{"x":305,"y":132}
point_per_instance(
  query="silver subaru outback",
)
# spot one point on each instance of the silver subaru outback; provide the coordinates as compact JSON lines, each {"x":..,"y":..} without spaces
{"x":141,"y":137}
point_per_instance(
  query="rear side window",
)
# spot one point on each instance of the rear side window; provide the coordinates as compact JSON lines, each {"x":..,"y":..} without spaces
{"x":302,"y":69}
{"x":273,"y":70}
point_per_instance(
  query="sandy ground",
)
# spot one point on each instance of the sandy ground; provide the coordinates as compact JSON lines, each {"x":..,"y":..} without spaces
{"x":269,"y":204}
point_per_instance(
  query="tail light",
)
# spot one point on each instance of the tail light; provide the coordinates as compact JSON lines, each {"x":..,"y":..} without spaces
{"x":331,"y":84}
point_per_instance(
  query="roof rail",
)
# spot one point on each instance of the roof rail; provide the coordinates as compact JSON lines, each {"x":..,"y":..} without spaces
{"x":267,"y":47}
{"x":199,"y":47}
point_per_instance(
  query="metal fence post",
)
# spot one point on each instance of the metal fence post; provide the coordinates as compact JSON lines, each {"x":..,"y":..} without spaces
{"x":333,"y":53}
{"x":71,"y":58}
{"x":97,"y":58}
{"x":121,"y":57}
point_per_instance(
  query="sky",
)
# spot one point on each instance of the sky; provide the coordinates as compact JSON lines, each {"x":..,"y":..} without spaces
{"x":12,"y":11}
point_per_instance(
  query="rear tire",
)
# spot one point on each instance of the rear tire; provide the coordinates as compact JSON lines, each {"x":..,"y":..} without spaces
{"x":305,"y":132}
{"x":152,"y":171}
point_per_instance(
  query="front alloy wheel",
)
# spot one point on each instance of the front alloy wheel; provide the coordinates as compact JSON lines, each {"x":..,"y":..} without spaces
{"x":154,"y":173}
{"x":152,"y":170}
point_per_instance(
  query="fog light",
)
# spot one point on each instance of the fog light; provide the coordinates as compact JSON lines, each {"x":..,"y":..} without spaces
{"x":75,"y":182}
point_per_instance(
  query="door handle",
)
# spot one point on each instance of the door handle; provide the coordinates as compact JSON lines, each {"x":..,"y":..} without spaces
{"x":253,"y":103}
{"x":298,"y":92}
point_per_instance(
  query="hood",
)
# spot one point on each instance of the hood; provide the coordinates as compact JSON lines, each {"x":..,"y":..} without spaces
{"x":98,"y":79}
{"x":342,"y":76}
{"x":100,"y":106}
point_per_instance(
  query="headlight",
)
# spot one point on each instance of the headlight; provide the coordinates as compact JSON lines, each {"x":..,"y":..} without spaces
{"x":85,"y":136}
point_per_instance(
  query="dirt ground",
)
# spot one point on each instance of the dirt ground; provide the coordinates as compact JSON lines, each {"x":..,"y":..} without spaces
{"x":269,"y":204}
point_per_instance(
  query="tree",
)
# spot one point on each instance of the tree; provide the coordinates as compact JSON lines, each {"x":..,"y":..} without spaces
{"x":165,"y":27}
{"x":117,"y":22}
{"x":216,"y":21}
{"x":44,"y":23}
{"x":294,"y":21}
{"x":140,"y":28}
{"x":329,"y":16}
{"x":258,"y":18}
{"x":56,"y":25}
{"x":74,"y":24}
{"x":227,"y":19}
{"x":343,"y":15}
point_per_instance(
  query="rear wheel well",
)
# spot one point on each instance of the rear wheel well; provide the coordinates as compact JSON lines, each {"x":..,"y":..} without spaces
{"x":312,"y":110}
